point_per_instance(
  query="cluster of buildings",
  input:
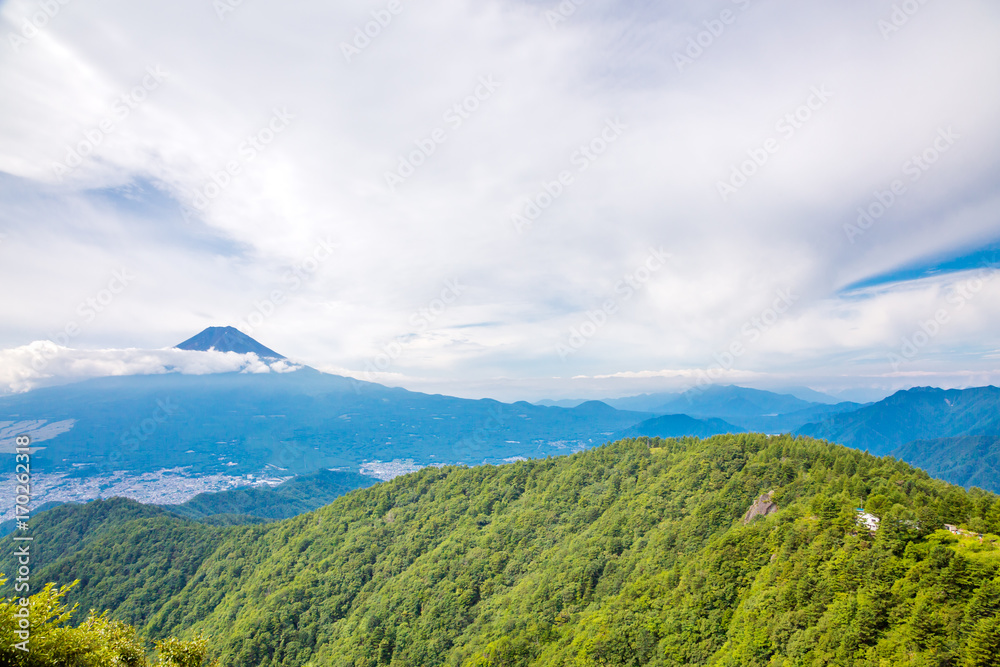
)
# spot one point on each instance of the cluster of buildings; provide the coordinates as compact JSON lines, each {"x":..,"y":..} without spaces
{"x":955,"y":530}
{"x":871,"y":523}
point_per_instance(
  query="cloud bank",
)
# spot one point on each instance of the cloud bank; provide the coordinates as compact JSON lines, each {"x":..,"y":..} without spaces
{"x":44,"y":363}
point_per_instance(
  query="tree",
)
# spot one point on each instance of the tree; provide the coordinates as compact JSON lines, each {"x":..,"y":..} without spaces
{"x":35,"y":632}
{"x":983,"y":649}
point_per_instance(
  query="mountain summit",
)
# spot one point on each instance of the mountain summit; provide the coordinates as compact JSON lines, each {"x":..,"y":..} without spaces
{"x":227,"y":339}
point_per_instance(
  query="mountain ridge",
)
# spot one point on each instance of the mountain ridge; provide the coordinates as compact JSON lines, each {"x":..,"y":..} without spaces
{"x":227,"y":339}
{"x":301,"y":421}
{"x":675,"y":426}
{"x":920,"y":413}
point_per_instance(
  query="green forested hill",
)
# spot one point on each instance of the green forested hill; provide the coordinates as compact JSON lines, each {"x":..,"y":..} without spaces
{"x":628,"y":554}
{"x":127,"y":556}
{"x":295,"y":496}
{"x":258,"y":504}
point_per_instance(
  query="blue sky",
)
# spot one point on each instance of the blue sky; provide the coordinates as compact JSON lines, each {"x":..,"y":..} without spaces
{"x":508,"y":199}
{"x":955,"y":262}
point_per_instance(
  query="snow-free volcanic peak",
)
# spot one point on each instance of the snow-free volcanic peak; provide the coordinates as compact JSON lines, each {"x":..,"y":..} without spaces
{"x":227,"y":339}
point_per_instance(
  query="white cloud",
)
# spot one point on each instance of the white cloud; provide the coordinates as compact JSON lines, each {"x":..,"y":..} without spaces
{"x":43,"y":363}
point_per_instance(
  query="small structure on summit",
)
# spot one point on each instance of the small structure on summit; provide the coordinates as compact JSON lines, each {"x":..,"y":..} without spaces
{"x":761,"y":507}
{"x":955,"y":530}
{"x":869,"y":521}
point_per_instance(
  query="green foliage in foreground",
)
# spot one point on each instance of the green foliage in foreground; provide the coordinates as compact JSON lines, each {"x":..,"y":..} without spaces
{"x":628,"y":554}
{"x":49,"y":641}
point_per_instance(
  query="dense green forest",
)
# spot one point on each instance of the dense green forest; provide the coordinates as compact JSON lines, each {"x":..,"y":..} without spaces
{"x":632,"y":553}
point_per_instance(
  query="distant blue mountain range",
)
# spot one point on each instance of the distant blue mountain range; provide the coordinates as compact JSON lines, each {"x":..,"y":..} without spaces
{"x":953,"y":434}
{"x":921,"y":413}
{"x":298,"y":422}
{"x":748,"y":409}
{"x":678,"y":426}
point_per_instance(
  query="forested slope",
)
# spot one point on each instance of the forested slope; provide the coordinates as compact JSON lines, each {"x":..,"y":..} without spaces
{"x":295,"y":496}
{"x":921,"y":413}
{"x":628,"y":554}
{"x":127,"y":556}
{"x":967,"y":461}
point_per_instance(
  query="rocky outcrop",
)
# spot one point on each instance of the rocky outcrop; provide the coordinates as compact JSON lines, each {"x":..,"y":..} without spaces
{"x":761,"y":507}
